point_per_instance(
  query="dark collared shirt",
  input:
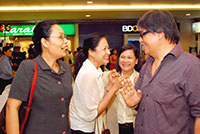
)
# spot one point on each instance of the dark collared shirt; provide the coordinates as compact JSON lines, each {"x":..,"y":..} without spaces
{"x":51,"y":98}
{"x":171,"y":97}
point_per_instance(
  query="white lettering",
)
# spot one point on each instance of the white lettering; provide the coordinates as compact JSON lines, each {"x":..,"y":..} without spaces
{"x":124,"y":28}
{"x":13,"y":30}
{"x":129,"y":28}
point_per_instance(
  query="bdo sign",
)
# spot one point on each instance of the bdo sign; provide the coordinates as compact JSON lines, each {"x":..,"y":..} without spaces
{"x":129,"y":28}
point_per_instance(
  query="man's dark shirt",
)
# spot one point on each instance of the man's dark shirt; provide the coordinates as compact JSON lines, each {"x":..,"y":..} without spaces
{"x":171,"y":97}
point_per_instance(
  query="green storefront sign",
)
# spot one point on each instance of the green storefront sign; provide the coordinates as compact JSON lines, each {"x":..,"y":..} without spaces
{"x":27,"y":30}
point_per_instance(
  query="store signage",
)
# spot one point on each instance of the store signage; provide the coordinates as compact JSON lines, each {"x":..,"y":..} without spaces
{"x":129,"y":28}
{"x":27,"y":30}
{"x":69,"y":29}
{"x":5,"y":28}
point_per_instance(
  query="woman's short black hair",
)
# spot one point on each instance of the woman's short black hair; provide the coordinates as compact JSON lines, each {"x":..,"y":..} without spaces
{"x":42,"y":30}
{"x":136,"y":53}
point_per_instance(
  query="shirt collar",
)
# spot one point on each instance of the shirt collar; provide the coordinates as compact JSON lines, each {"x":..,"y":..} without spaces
{"x":44,"y":66}
{"x":176,"y":51}
{"x":5,"y":57}
{"x":98,"y":71}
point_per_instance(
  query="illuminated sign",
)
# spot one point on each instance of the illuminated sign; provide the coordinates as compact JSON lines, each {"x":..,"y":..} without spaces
{"x":69,"y":29}
{"x":27,"y":30}
{"x":129,"y":28}
{"x":196,"y":27}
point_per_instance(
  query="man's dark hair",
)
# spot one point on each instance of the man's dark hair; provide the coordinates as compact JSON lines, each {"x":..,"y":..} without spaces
{"x":160,"y":21}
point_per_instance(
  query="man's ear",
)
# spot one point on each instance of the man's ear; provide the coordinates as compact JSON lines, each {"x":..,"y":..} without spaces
{"x":44,"y":42}
{"x":161,"y":35}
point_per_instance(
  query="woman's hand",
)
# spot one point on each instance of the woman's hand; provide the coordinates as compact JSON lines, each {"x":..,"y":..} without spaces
{"x":119,"y":82}
{"x":130,"y":95}
{"x":113,"y":75}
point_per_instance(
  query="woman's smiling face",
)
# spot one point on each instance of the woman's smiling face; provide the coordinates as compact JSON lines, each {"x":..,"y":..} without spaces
{"x":127,"y":60}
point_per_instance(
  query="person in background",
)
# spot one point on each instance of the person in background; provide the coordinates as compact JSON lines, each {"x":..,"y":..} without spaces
{"x":53,"y":89}
{"x":169,"y":80}
{"x":31,"y":52}
{"x":6,"y":72}
{"x":90,"y":96}
{"x":17,"y":57}
{"x":119,"y":117}
{"x":0,"y":53}
{"x":74,"y":55}
{"x":113,"y":59}
{"x":69,"y":59}
{"x":80,"y":58}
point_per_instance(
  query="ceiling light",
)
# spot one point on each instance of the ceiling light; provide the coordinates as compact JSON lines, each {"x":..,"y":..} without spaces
{"x":99,"y":8}
{"x":187,"y":14}
{"x":89,"y":2}
{"x":87,"y":15}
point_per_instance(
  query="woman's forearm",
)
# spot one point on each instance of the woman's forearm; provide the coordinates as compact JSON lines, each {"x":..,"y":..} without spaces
{"x":12,"y":118}
{"x":197,"y":126}
{"x":106,"y":100}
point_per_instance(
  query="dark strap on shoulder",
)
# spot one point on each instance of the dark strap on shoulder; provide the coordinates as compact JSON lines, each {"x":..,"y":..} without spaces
{"x":30,"y":97}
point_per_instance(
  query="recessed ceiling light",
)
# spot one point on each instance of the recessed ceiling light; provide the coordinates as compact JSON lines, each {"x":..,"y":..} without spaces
{"x":87,"y":15}
{"x":89,"y":2}
{"x":187,"y":14}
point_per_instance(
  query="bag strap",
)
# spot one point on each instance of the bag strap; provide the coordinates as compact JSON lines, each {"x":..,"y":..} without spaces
{"x":96,"y":126}
{"x":30,"y":97}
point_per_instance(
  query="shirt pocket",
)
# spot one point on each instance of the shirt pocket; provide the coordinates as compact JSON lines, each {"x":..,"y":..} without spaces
{"x":166,"y":93}
{"x":168,"y":99}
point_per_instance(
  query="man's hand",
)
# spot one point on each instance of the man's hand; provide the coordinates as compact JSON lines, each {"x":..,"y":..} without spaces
{"x":129,"y":94}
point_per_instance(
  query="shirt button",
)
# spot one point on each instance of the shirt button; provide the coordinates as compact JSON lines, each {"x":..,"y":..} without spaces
{"x":143,"y":110}
{"x":62,"y":99}
{"x":59,"y":82}
{"x":64,"y":132}
{"x":147,"y":95}
{"x":63,"y":115}
{"x":142,"y":124}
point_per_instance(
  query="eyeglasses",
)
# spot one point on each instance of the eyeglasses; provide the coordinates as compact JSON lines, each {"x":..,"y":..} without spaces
{"x":60,"y":37}
{"x":144,"y":33}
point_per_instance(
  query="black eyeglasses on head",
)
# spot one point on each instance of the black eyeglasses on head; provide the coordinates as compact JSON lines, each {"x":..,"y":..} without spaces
{"x":144,"y":33}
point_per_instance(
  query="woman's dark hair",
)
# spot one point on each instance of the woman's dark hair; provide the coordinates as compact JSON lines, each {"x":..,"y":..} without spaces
{"x":90,"y":43}
{"x":42,"y":30}
{"x":160,"y":21}
{"x":136,"y":53}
